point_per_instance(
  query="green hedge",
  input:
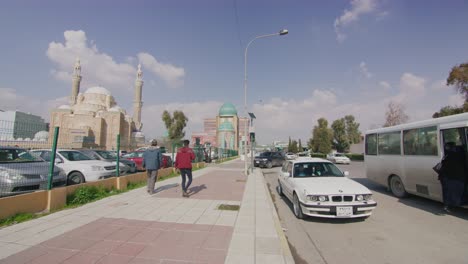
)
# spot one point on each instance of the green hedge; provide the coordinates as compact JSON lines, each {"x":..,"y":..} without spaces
{"x":354,"y":156}
{"x":318,"y":155}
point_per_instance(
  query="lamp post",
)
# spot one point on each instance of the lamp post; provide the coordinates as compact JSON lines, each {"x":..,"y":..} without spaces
{"x":280,"y":33}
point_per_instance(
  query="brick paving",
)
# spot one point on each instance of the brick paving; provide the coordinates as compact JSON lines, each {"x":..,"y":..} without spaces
{"x":109,"y":240}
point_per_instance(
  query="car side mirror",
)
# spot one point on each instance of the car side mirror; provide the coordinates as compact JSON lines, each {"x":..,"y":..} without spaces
{"x":346,"y":173}
{"x":57,"y":161}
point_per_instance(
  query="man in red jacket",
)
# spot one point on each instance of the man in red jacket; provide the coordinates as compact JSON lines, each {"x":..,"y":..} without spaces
{"x":183,"y":162}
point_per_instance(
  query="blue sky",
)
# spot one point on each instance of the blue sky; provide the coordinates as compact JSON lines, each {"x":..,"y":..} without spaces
{"x":341,"y":57}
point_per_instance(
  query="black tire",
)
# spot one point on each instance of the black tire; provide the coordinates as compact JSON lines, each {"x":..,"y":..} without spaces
{"x":269,"y":165}
{"x":397,"y":187}
{"x":297,"y":208}
{"x":280,"y":189}
{"x":75,"y":178}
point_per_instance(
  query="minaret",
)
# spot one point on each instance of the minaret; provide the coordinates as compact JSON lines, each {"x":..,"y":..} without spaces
{"x":76,"y":82}
{"x":137,"y":103}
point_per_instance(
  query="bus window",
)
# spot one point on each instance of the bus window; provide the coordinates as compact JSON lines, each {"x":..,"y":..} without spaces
{"x":420,"y":141}
{"x":371,"y":144}
{"x":389,"y":143}
{"x":455,"y":135}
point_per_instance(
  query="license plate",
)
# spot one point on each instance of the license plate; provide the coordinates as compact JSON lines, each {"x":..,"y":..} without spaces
{"x":344,"y":211}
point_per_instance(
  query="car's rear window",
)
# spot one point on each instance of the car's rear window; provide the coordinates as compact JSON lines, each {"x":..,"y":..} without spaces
{"x":17,"y":156}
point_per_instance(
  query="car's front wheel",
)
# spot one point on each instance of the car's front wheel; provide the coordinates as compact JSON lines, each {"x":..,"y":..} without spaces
{"x":269,"y":165}
{"x":297,"y":207}
{"x":75,"y":178}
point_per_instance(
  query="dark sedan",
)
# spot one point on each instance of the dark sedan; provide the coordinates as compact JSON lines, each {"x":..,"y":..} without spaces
{"x":269,"y":159}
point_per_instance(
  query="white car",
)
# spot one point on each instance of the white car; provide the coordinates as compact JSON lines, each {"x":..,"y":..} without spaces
{"x":290,"y":156}
{"x":338,"y":158}
{"x":316,"y":187}
{"x":79,"y":167}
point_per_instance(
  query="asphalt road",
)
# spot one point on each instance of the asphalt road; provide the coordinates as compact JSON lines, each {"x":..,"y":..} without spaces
{"x":411,"y":230}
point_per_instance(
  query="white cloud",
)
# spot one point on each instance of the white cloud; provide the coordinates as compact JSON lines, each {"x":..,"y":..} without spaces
{"x":440,"y":85}
{"x":456,"y":100}
{"x":11,"y":100}
{"x":412,"y":86}
{"x":364,"y":70}
{"x":172,"y":75}
{"x":385,"y":85}
{"x":358,"y":8}
{"x":99,"y":68}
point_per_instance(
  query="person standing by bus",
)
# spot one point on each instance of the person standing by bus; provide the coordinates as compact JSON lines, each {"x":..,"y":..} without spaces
{"x":183,"y":162}
{"x":453,"y":176}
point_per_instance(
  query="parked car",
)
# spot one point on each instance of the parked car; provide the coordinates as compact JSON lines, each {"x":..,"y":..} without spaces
{"x":130,"y":166}
{"x":290,"y":156}
{"x":21,"y":172}
{"x":316,"y":187}
{"x":137,"y":157}
{"x":269,"y":159}
{"x":78,"y":167}
{"x":338,"y":158}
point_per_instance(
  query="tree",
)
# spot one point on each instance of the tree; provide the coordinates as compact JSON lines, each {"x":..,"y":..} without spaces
{"x":458,"y":77}
{"x":395,"y":114}
{"x":175,"y":124}
{"x":352,"y":129}
{"x":293,"y":148}
{"x":322,"y":137}
{"x":289,"y":144}
{"x":451,"y":110}
{"x":300,"y":146}
{"x":340,"y":138}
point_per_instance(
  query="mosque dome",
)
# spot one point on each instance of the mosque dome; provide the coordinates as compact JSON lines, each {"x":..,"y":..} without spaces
{"x":97,"y":90}
{"x":227,"y":109}
{"x":41,"y":136}
{"x":226,"y":126}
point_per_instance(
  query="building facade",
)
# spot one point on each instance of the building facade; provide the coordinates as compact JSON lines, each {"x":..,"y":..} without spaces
{"x":16,"y":125}
{"x":225,"y":131}
{"x":93,"y":119}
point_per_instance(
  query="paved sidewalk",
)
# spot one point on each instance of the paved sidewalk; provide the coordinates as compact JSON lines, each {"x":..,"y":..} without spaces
{"x":135,"y":227}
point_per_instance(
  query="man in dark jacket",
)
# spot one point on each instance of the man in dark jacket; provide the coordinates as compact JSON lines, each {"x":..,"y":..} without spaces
{"x":152,"y":160}
{"x":183,"y":162}
{"x":453,"y":176}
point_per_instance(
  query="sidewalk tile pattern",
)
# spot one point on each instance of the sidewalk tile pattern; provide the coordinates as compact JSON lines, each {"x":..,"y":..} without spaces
{"x":117,"y":240}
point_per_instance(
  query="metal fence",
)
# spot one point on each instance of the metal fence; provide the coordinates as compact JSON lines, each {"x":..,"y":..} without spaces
{"x":32,"y":158}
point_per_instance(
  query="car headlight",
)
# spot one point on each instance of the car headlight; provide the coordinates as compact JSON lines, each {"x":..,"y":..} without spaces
{"x":97,"y":168}
{"x":317,"y":198}
{"x":367,"y":197}
{"x":10,"y":176}
{"x":359,"y":197}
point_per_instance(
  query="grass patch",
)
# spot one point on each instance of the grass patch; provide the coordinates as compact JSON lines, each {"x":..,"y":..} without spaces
{"x":87,"y":194}
{"x":228,"y":207}
{"x":18,"y":218}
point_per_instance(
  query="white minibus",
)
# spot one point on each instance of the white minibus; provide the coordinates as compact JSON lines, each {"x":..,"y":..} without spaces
{"x":401,"y":157}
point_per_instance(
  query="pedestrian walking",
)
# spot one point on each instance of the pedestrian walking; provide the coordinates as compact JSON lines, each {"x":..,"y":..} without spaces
{"x":453,"y":176}
{"x":152,"y":160}
{"x":183,"y":162}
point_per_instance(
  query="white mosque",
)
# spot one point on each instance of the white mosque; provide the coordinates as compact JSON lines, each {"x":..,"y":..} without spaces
{"x":94,"y":119}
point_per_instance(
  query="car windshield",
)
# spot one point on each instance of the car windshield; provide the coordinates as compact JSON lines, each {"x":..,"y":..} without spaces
{"x":316,"y":169}
{"x":133,"y":155}
{"x":17,"y":156}
{"x":74,"y":155}
{"x":265,"y":154}
{"x":106,"y":154}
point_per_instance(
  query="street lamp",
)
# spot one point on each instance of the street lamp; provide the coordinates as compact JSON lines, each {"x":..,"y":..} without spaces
{"x":280,"y":33}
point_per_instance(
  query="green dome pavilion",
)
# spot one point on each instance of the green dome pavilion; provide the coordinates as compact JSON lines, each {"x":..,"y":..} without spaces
{"x":227,"y":109}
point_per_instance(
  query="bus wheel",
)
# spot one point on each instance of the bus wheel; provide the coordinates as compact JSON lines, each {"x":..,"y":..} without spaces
{"x":397,"y":187}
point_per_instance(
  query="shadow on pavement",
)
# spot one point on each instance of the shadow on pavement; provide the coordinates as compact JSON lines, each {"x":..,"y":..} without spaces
{"x":197,"y":189}
{"x":417,"y":202}
{"x":165,"y":187}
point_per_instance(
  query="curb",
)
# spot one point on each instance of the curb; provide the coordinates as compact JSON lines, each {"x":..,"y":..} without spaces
{"x":286,"y":251}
